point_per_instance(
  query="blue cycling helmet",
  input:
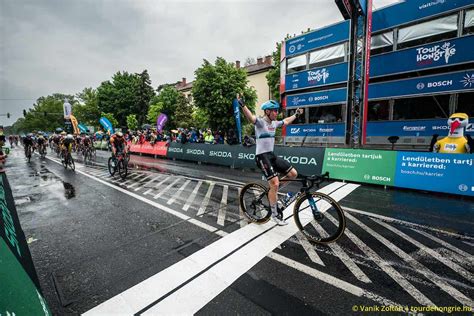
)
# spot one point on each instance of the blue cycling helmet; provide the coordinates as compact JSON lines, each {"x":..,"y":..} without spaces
{"x":270,"y":105}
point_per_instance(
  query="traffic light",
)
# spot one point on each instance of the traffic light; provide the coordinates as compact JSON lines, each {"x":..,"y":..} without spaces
{"x":8,"y":115}
{"x":24,"y":112}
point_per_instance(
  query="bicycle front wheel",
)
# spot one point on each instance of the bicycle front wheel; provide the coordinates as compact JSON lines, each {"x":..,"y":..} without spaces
{"x":122,"y":169}
{"x":111,"y":166}
{"x":254,"y":203}
{"x":71,"y":163}
{"x":319,"y":217}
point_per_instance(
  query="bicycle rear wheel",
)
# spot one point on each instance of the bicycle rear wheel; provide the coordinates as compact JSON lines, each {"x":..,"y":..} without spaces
{"x":319,"y":217}
{"x":254,"y":202}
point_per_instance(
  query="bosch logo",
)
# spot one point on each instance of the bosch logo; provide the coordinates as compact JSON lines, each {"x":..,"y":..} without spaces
{"x":463,"y":187}
{"x":292,"y":48}
{"x":420,"y":86}
{"x":366,"y":176}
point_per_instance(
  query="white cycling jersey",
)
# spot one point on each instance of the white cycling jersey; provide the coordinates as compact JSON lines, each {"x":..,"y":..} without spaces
{"x":265,"y":134}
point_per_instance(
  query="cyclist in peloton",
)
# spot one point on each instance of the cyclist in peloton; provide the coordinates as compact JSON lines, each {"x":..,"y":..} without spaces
{"x":28,"y":142}
{"x":41,"y":141}
{"x":118,"y":143}
{"x":270,"y":164}
{"x":66,"y":143}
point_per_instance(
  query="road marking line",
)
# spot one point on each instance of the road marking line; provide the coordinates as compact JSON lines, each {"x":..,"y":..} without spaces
{"x":191,"y":198}
{"x":130,"y":176}
{"x":415,"y":264}
{"x":410,"y":224}
{"x":434,"y":254}
{"x":138,"y":182}
{"x":466,"y":255}
{"x":468,"y":243}
{"x":162,"y":192}
{"x":205,"y":202}
{"x":227,"y":180}
{"x":223,"y":206}
{"x":309,"y":248}
{"x":384,"y":265}
{"x":329,"y":279}
{"x":152,"y":180}
{"x":177,"y":194}
{"x":133,"y":178}
{"x":156,"y":186}
{"x":339,"y":252}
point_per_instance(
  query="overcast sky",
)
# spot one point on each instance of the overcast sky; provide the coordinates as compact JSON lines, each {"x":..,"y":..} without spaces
{"x":58,"y":46}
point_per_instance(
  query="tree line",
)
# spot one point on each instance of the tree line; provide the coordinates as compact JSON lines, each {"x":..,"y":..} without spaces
{"x":128,"y":100}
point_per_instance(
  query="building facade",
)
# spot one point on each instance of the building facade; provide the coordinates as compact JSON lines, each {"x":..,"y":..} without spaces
{"x":421,"y":71}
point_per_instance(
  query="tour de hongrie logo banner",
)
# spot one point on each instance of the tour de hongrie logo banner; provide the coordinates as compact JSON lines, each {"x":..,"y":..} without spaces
{"x":437,"y":53}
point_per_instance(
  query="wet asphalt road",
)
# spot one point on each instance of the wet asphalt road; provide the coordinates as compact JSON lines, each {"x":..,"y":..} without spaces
{"x":93,"y":237}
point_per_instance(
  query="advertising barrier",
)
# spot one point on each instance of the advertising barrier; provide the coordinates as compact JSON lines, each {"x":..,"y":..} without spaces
{"x":317,"y":77}
{"x":305,"y":160}
{"x":322,"y":37}
{"x":432,"y":55}
{"x":368,"y":166}
{"x":159,"y":148}
{"x":413,"y":128}
{"x":449,"y":173}
{"x":20,"y":292}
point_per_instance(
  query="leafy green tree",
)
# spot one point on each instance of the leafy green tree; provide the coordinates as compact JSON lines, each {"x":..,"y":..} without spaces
{"x":87,"y":111}
{"x":165,"y":102}
{"x":132,"y":122}
{"x":145,"y":94}
{"x":184,"y":112}
{"x":111,"y":118}
{"x":46,"y":115}
{"x":153,"y":112}
{"x":215,"y":88}
{"x":273,"y":76}
{"x":199,"y":118}
{"x":126,"y":94}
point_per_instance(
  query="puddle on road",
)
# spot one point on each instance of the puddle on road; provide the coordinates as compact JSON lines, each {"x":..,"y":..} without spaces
{"x":47,"y":181}
{"x":69,"y":190}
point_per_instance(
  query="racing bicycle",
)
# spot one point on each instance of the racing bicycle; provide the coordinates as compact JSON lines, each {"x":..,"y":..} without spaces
{"x":67,"y":160}
{"x":118,"y":163}
{"x":317,"y":215}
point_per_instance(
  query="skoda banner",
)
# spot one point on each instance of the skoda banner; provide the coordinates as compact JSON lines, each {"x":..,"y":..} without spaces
{"x":369,"y":166}
{"x":306,"y":160}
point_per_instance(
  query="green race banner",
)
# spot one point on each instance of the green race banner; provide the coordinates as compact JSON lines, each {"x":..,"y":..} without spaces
{"x":369,"y":166}
{"x":18,"y":294}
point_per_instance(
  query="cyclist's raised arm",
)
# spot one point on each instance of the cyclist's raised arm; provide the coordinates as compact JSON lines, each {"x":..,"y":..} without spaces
{"x":290,"y":119}
{"x":250,"y":117}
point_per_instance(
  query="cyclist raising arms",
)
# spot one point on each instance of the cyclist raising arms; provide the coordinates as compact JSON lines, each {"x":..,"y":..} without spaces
{"x":270,"y":164}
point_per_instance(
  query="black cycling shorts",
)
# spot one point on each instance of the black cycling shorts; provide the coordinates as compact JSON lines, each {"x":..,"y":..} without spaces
{"x":272,"y":165}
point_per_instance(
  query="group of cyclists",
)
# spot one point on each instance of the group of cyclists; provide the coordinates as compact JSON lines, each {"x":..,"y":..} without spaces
{"x":64,"y":144}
